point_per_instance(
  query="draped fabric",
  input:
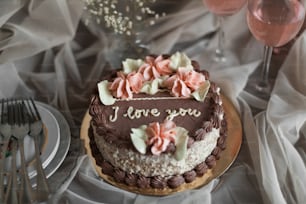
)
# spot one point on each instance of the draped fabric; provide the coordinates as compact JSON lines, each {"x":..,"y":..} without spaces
{"x":48,"y":52}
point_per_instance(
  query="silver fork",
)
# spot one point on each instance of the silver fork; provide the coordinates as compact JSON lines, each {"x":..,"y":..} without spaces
{"x":36,"y":131}
{"x":12,"y":194}
{"x":5,"y":131}
{"x":20,"y":129}
{"x":12,"y":185}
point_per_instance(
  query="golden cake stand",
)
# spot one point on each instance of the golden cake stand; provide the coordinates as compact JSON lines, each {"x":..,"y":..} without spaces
{"x":227,"y":156}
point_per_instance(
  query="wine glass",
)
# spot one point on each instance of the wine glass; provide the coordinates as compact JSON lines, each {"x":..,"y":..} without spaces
{"x":222,"y":8}
{"x":274,"y":23}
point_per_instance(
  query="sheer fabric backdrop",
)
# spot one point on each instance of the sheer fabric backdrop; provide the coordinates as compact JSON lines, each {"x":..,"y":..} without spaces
{"x":48,"y":53}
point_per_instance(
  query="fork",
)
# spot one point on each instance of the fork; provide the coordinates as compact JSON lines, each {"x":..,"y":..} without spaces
{"x":20,"y":129}
{"x":5,"y":131}
{"x":12,"y":185}
{"x":36,"y":131}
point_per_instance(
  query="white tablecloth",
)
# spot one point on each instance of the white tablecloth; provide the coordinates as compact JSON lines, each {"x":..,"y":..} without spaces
{"x":47,"y":52}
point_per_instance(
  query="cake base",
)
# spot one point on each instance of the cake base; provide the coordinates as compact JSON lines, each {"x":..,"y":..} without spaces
{"x":227,"y":156}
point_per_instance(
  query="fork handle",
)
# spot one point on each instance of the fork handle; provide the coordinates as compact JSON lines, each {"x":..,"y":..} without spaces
{"x":42,"y":187}
{"x":13,"y":196}
{"x":2,"y":180}
{"x":26,"y":185}
{"x":3,"y":152}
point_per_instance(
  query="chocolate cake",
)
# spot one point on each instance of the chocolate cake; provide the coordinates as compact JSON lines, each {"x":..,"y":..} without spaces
{"x":157,"y":123}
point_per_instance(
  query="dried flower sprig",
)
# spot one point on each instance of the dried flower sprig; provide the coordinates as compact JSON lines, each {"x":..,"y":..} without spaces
{"x":121,"y":15}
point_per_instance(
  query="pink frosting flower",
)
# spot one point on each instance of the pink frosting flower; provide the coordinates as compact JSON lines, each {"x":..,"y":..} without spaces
{"x":155,"y":67}
{"x":184,"y":82}
{"x":136,"y":81}
{"x":160,"y":135}
{"x":125,"y":85}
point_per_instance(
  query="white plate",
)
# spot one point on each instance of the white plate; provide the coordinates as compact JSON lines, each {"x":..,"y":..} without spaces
{"x":64,"y":141}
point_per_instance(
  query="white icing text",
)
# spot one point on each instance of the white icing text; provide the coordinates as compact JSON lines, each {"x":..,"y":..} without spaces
{"x":113,"y":118}
{"x":138,"y":113}
{"x":134,"y":113}
{"x":182,"y":112}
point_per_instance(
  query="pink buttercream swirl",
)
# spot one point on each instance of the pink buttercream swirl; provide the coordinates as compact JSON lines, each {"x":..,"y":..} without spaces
{"x":160,"y":136}
{"x":125,"y":85}
{"x":155,"y":67}
{"x":184,"y":82}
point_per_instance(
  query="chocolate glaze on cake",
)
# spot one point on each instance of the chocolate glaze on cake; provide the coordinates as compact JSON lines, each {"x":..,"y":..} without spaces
{"x":115,"y":152}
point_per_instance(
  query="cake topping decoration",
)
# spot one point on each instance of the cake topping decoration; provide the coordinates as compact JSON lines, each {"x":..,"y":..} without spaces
{"x":159,"y":136}
{"x":125,"y":85}
{"x":105,"y":94}
{"x":201,"y":168}
{"x":131,"y":179}
{"x":130,"y":65}
{"x":185,"y":82}
{"x":199,"y":134}
{"x":178,"y":60}
{"x":176,"y":181}
{"x":119,"y":175}
{"x":182,"y":112}
{"x":175,"y":74}
{"x":158,"y":182}
{"x":135,"y":113}
{"x":190,"y":176}
{"x":151,"y":87}
{"x":154,"y":68}
{"x":143,"y":182}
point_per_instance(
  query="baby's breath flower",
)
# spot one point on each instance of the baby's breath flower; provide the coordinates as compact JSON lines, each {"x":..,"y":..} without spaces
{"x":121,"y":18}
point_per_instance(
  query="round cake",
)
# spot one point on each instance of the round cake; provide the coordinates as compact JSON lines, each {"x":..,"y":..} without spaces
{"x":157,"y":123}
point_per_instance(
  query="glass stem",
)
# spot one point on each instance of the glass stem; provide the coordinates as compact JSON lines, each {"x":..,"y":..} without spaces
{"x":264,"y":83}
{"x":219,"y":53}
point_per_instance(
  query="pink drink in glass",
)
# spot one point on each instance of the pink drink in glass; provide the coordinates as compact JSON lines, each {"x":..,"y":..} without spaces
{"x":224,"y":7}
{"x":275,"y":24}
